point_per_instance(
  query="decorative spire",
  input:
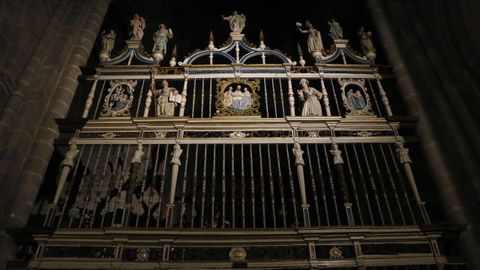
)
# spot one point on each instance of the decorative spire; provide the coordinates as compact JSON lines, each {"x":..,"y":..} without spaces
{"x":174,"y":52}
{"x":300,"y":52}
{"x":211,"y":36}
{"x":261,"y":36}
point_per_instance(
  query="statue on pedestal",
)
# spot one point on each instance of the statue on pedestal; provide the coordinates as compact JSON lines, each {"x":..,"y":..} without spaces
{"x":138,"y":25}
{"x":336,"y":31}
{"x":108,"y":41}
{"x":166,"y":99}
{"x":367,"y":44}
{"x":237,"y":22}
{"x":314,"y":40}
{"x":311,"y":98}
{"x":161,"y":37}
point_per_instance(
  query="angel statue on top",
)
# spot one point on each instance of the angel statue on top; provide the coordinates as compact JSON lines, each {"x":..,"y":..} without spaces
{"x":138,"y":25}
{"x":311,"y":98}
{"x":161,"y":37}
{"x":237,"y":22}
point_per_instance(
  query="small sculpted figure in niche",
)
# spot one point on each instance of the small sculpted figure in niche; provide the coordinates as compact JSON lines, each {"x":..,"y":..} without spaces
{"x":138,"y":25}
{"x":336,"y":31}
{"x":161,"y":37}
{"x":366,"y":41}
{"x":356,"y":100}
{"x":237,"y":22}
{"x":314,"y":40}
{"x":311,"y":98}
{"x":108,"y":41}
{"x":166,"y":99}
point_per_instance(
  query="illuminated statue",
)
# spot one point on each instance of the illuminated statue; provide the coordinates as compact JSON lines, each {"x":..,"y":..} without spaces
{"x":311,"y":98}
{"x":138,"y":25}
{"x":161,"y":37}
{"x":237,"y":22}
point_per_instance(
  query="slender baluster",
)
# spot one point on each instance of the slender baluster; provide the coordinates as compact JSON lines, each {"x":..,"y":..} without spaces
{"x":175,"y":161}
{"x":335,"y":97}
{"x":70,"y":187}
{"x":142,"y":188}
{"x":326,"y":101}
{"x":274,"y":97}
{"x":292,"y":186}
{"x":100,"y":98}
{"x":194,"y":97}
{"x":299,"y":162}
{"x":374,"y":98}
{"x":291,"y":98}
{"x":281,"y":96}
{"x":141,"y":94}
{"x":89,"y":101}
{"x":402,"y":185}
{"x":281,"y":187}
{"x":266,"y":96}
{"x":184,"y":98}
{"x":383,"y":95}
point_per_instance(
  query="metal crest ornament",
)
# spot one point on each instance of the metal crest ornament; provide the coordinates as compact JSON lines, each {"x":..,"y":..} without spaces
{"x":335,"y":253}
{"x":237,"y":97}
{"x":355,"y":97}
{"x":119,"y":99}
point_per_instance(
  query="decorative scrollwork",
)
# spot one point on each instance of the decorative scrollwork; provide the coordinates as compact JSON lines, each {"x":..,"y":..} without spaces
{"x":119,"y":98}
{"x":355,"y":97}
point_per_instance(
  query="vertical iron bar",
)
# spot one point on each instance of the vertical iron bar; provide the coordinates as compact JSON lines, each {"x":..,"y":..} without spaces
{"x":314,"y":185}
{"x":99,"y":99}
{"x":281,"y":97}
{"x":144,"y":180}
{"x":202,"y":98}
{"x":266,"y":96}
{"x":194,"y":188}
{"x":382,"y":185}
{"x":354,"y":186}
{"x":262,"y":186}
{"x":194,"y":96}
{"x":224,"y":188}
{"x":184,"y":187}
{"x":364,"y":185}
{"x":204,"y":184}
{"x":272,"y":189}
{"x":292,"y":185}
{"x":210,"y":100}
{"x":162,"y":185}
{"x":322,"y":185}
{"x":372,"y":183}
{"x":119,"y":191}
{"x":233,"y":186}
{"x":214,"y":221}
{"x":374,"y":98}
{"x":281,"y":187}
{"x":141,"y":94}
{"x":252,"y":186}
{"x":242,"y":183}
{"x":332,"y":186}
{"x":153,"y":187}
{"x":335,"y":97}
{"x":274,"y":97}
{"x":99,"y":191}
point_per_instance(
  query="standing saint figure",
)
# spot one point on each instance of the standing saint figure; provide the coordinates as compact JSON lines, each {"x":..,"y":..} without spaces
{"x":164,"y":105}
{"x":311,"y":98}
{"x":161,"y":37}
{"x":108,"y":40}
{"x":366,"y":41}
{"x":237,"y":22}
{"x":336,"y":31}
{"x":138,"y":25}
{"x":314,"y":40}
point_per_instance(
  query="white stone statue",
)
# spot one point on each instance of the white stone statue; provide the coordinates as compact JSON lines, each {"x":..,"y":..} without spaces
{"x":166,"y":99}
{"x":177,"y":152}
{"x":337,"y":154}
{"x":108,"y":41}
{"x":70,"y":155}
{"x":137,"y":156}
{"x":298,"y":153}
{"x":161,"y":37}
{"x":367,"y":44}
{"x":311,"y":98}
{"x":138,"y":25}
{"x":237,"y":22}
{"x":314,"y":40}
{"x":336,"y":31}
